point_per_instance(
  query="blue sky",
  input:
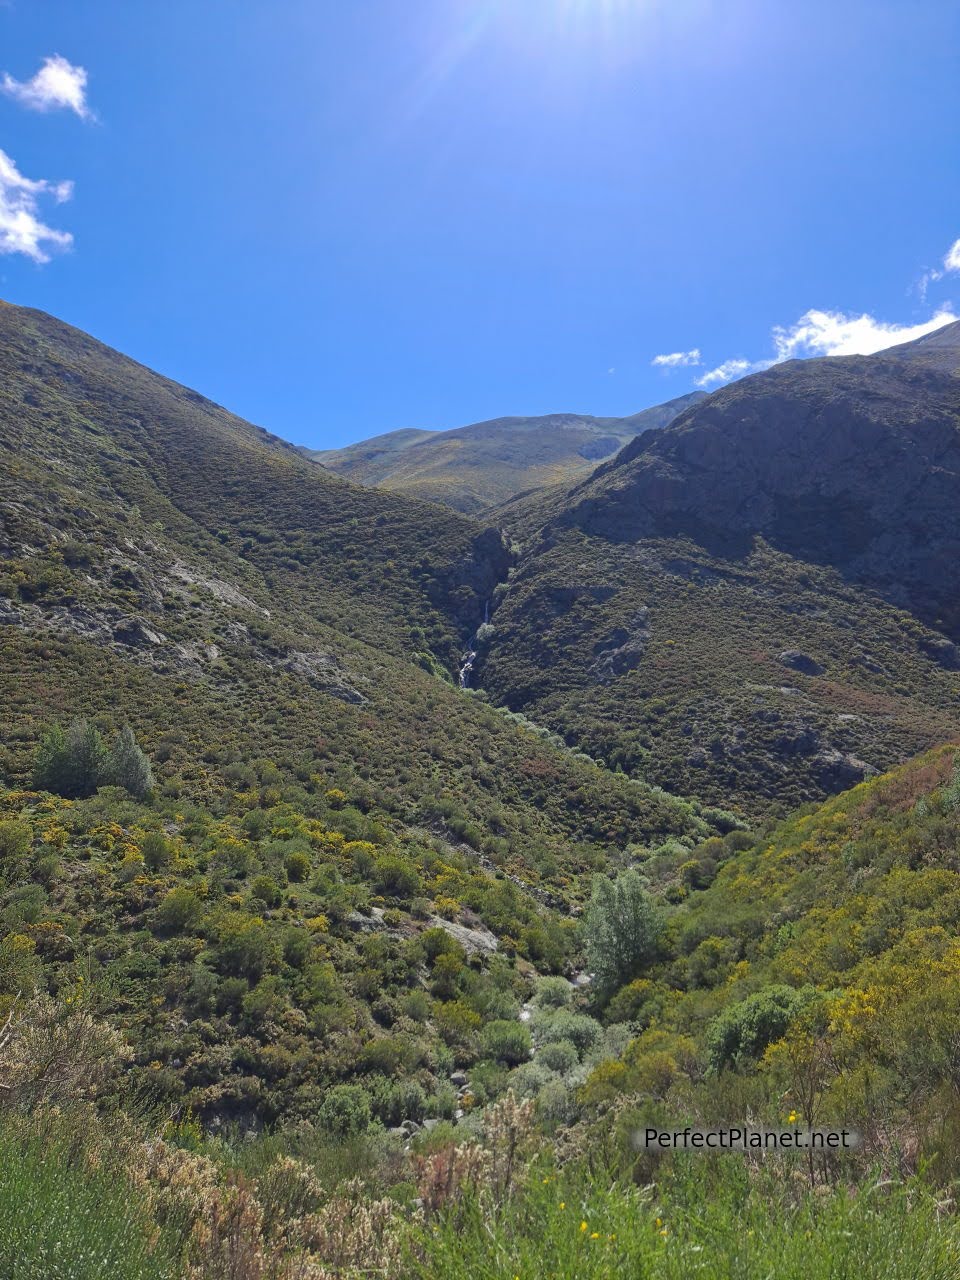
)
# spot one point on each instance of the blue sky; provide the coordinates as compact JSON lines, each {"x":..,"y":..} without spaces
{"x":341,"y":217}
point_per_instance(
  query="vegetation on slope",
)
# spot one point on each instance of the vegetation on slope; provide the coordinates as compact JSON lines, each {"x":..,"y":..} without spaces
{"x":475,"y":468}
{"x":756,"y":604}
{"x":759,"y":682}
{"x":807,"y":976}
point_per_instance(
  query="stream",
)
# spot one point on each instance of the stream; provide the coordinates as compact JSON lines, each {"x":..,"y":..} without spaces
{"x":470,"y":656}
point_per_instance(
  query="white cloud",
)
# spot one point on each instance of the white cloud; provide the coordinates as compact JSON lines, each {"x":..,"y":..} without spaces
{"x":831,"y":333}
{"x":951,"y":262}
{"x":676,"y":359}
{"x":57,"y":84}
{"x":21,"y":229}
{"x":828,"y":333}
{"x":731,"y":369}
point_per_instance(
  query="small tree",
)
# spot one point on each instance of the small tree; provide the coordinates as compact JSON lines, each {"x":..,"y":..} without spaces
{"x":75,"y":762}
{"x":72,"y":763}
{"x":128,"y":767}
{"x":622,"y":927}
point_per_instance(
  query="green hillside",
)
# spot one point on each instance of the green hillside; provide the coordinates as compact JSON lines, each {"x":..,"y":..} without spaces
{"x":314,"y":964}
{"x":480,"y":466}
{"x":757,"y":604}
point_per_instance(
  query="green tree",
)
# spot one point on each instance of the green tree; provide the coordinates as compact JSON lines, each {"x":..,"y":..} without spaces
{"x":622,"y":928}
{"x":128,"y":767}
{"x":745,"y":1029}
{"x":72,"y":763}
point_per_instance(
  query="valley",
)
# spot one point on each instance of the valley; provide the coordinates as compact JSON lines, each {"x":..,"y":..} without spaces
{"x":624,"y":796}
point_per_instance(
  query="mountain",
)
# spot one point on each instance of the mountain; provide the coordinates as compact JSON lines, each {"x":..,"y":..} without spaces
{"x":320,"y":978}
{"x":477,"y":467}
{"x":166,"y":563}
{"x":760,"y":601}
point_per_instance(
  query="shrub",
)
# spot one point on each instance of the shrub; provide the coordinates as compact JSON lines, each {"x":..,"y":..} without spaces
{"x":244,"y":946}
{"x":745,"y":1029}
{"x":396,"y":878}
{"x":530,"y":1078}
{"x":507,"y":1042}
{"x":345,"y":1110}
{"x":559,"y":1055}
{"x":267,"y":890}
{"x":553,"y":993}
{"x":180,"y":911}
{"x":578,"y":1029}
{"x":397,"y":1100}
{"x":297,"y":867}
{"x":156,"y":851}
{"x":15,"y":840}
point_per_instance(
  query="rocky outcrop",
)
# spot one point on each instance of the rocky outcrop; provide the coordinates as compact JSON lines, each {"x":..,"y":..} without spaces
{"x":801,"y":662}
{"x":622,"y":649}
{"x":851,"y":462}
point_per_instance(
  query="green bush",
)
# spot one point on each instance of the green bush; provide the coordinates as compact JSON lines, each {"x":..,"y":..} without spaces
{"x":559,"y":1055}
{"x":15,"y":840}
{"x":180,"y":911}
{"x":156,"y":851}
{"x":578,"y":1029}
{"x":345,"y":1110}
{"x":267,"y":890}
{"x":745,"y":1029}
{"x":297,"y":866}
{"x":396,"y":879}
{"x":552,"y":993}
{"x":507,"y":1042}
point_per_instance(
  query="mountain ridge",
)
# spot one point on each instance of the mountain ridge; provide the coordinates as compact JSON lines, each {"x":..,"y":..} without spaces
{"x":811,"y":510}
{"x":476,"y":467}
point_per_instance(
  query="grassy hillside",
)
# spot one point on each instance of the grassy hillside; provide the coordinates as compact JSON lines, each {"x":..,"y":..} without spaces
{"x":478,"y":467}
{"x":122,"y":472}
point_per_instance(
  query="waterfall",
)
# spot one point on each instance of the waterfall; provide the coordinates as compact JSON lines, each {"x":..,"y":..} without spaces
{"x":469,"y":658}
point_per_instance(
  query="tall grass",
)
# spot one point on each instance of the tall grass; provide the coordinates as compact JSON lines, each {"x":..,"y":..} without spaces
{"x":706,"y":1225}
{"x":62,"y":1221}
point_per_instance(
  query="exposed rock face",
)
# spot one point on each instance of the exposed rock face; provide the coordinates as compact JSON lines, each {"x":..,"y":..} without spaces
{"x":467,"y":587}
{"x":944,"y":652}
{"x":478,"y":939}
{"x":622,"y":650}
{"x":323,"y":672}
{"x":851,"y":462}
{"x":801,"y":662}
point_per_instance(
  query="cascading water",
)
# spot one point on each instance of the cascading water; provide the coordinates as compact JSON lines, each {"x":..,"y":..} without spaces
{"x":470,"y":656}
